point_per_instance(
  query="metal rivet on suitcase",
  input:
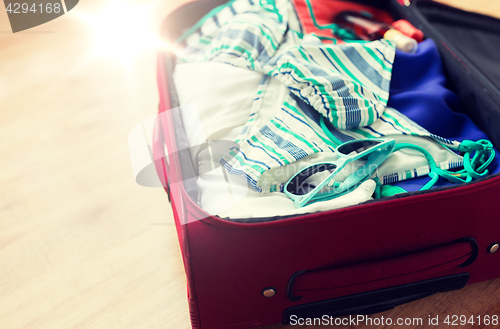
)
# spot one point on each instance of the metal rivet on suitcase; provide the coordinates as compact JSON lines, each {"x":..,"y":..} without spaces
{"x":268,"y":292}
{"x":493,"y":248}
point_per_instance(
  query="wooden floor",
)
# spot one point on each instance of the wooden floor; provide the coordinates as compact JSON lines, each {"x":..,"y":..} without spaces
{"x":80,"y":244}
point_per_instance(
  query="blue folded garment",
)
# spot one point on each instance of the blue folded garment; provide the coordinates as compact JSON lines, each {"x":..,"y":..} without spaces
{"x":418,"y":90}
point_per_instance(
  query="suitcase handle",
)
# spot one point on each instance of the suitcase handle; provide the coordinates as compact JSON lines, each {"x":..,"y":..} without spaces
{"x":383,"y":273}
{"x":376,"y":301}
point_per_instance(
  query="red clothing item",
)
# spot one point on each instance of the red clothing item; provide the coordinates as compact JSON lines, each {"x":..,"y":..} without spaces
{"x":325,"y":12}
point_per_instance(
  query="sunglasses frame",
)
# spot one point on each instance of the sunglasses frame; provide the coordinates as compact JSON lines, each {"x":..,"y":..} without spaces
{"x":377,"y":154}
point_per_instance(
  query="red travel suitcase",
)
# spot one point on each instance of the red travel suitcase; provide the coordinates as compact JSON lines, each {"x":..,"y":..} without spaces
{"x":356,"y":260}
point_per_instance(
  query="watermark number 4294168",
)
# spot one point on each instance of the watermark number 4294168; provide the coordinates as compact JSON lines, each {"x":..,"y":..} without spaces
{"x":26,"y":14}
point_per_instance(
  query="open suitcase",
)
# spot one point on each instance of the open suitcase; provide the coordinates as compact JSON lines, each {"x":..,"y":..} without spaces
{"x":362,"y":259}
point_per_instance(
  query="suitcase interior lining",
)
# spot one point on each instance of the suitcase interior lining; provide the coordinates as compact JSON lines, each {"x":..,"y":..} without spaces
{"x":476,"y":37}
{"x":467,"y":43}
{"x":188,"y":169}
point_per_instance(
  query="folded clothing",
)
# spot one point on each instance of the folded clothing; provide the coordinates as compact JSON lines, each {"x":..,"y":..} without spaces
{"x":224,"y":98}
{"x":347,"y":84}
{"x":216,"y":101}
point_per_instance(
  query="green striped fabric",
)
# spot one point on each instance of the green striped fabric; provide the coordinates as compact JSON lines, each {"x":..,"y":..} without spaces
{"x":346,"y":83}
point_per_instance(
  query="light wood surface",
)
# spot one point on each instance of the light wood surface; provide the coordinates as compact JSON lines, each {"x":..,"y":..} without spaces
{"x":81,"y":244}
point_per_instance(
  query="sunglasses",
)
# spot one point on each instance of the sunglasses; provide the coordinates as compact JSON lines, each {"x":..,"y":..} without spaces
{"x":317,"y":182}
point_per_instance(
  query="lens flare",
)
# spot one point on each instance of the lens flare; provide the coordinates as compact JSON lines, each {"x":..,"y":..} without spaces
{"x":124,"y":30}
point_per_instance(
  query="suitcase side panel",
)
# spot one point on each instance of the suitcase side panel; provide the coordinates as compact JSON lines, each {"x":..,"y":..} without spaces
{"x":171,"y":169}
{"x":232,"y":265}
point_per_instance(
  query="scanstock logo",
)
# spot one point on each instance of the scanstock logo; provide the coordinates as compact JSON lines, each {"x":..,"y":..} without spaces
{"x":25,"y":14}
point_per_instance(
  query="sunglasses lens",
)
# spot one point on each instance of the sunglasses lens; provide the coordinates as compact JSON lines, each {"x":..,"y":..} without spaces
{"x":357,"y":146}
{"x":306,"y":180}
